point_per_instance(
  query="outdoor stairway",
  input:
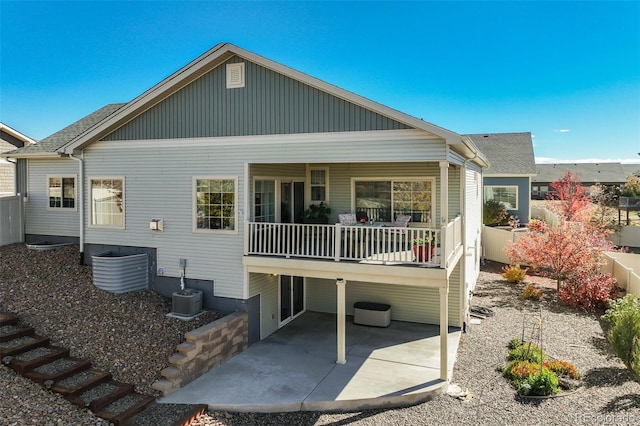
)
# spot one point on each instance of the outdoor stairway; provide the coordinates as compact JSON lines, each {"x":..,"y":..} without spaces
{"x":51,"y":366}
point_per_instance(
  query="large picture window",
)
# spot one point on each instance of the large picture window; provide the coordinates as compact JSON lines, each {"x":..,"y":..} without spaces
{"x":215,"y":204}
{"x":107,"y":202}
{"x":384,"y":199}
{"x":507,"y":195}
{"x":62,"y":192}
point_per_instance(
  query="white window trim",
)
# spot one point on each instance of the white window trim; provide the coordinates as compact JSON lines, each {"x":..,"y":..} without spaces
{"x":75,"y":193}
{"x":307,"y":197}
{"x":124,"y":202}
{"x":397,"y":178}
{"x":239,"y":67}
{"x":503,"y":186}
{"x":194,"y":206}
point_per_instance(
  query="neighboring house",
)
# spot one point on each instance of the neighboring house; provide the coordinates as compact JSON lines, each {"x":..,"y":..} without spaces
{"x":224,"y":155}
{"x":631,"y":169}
{"x":589,"y":173}
{"x":512,"y":167}
{"x":10,"y":139}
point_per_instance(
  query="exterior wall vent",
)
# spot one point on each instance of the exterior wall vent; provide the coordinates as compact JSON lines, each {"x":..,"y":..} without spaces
{"x":235,"y":75}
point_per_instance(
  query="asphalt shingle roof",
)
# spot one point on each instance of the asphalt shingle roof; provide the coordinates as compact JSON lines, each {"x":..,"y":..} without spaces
{"x":508,"y":153}
{"x":57,"y":140}
{"x":588,"y":172}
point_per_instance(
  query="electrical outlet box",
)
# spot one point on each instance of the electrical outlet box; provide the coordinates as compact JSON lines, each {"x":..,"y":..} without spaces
{"x":183,"y":263}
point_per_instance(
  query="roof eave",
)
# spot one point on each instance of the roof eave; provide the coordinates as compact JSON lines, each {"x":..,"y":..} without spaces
{"x":32,"y":155}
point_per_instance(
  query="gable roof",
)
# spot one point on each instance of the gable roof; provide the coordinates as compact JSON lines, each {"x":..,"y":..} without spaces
{"x":218,"y":55}
{"x":509,"y":154}
{"x":631,"y":169}
{"x":51,"y":144}
{"x":588,"y":172}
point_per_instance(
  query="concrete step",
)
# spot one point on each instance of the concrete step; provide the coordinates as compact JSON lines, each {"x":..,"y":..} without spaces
{"x":124,"y":408}
{"x":58,"y":370}
{"x":22,"y":344}
{"x":80,"y":382}
{"x":171,"y":415}
{"x":12,"y":331}
{"x":35,"y":357}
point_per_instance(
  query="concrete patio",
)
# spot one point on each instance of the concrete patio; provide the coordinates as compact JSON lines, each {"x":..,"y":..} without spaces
{"x":295,"y":369}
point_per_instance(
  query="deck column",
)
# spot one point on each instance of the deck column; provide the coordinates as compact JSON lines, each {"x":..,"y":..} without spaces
{"x":444,"y":331}
{"x":341,"y":314}
{"x":444,"y":192}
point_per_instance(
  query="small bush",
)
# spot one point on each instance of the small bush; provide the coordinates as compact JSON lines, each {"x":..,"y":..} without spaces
{"x":519,"y":370}
{"x":562,"y":368}
{"x":624,"y":335}
{"x":514,"y":343}
{"x":590,"y":292}
{"x":494,"y":213}
{"x":542,"y":384}
{"x":532,"y":292}
{"x":513,"y":273}
{"x":527,"y":352}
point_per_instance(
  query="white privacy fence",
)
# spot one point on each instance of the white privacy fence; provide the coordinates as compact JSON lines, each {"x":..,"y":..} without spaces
{"x":494,"y":241}
{"x":11,"y":220}
{"x":625,"y":267}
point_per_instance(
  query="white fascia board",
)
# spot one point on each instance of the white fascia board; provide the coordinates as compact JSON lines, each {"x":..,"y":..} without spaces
{"x":215,"y":57}
{"x":16,"y":134}
{"x":32,"y":155}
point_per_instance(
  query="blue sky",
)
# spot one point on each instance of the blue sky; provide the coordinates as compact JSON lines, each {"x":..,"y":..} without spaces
{"x":568,"y":72}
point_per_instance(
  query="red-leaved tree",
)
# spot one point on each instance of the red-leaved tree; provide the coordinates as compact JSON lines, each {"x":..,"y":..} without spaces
{"x":573,"y":203}
{"x":570,"y":249}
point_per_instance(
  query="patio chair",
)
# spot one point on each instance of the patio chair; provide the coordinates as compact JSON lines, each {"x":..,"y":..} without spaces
{"x":402,"y":221}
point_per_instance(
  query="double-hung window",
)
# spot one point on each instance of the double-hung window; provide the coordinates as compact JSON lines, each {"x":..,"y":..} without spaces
{"x":384,"y":199}
{"x":107,"y":202}
{"x":62,"y":192}
{"x":215,"y":204}
{"x":507,"y":195}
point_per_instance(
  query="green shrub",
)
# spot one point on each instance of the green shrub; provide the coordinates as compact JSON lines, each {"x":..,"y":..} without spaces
{"x":624,"y":335}
{"x":542,"y":384}
{"x":527,"y":352}
{"x":494,"y":213}
{"x":514,"y":343}
{"x":513,"y":273}
{"x":532,"y":292}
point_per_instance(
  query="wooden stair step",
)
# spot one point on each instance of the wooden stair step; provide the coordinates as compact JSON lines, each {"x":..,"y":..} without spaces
{"x":172,"y":415}
{"x":80,"y":382}
{"x":7,"y":319}
{"x":58,"y":369}
{"x":22,"y":344}
{"x":123,"y":409}
{"x":35,"y":357}
{"x":13,"y":331}
{"x":101,"y":395}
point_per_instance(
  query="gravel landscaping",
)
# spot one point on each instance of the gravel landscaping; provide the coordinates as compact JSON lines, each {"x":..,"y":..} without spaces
{"x":130,"y":336}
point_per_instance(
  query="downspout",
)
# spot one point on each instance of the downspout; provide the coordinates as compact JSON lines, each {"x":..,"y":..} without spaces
{"x":80,"y":192}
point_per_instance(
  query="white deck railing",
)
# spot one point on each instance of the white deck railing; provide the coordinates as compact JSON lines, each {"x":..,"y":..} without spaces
{"x":364,"y":243}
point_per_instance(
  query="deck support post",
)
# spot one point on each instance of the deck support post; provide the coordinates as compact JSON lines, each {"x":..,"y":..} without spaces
{"x":444,"y":192}
{"x":341,"y":314}
{"x":444,"y":331}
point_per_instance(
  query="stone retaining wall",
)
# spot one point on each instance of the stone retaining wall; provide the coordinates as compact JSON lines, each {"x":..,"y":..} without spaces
{"x":205,"y":347}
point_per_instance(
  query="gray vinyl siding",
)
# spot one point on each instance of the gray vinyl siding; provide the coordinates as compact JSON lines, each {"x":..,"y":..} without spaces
{"x":455,"y":296}
{"x":408,"y":303}
{"x":267,"y":287}
{"x":524,"y":194}
{"x":39,"y":219}
{"x":270,"y":103}
{"x":455,"y":207}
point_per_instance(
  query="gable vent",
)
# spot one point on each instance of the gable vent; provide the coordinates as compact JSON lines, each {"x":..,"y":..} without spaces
{"x":235,"y":75}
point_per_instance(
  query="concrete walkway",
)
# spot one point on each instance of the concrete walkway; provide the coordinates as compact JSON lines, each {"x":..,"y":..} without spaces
{"x":295,"y":369}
